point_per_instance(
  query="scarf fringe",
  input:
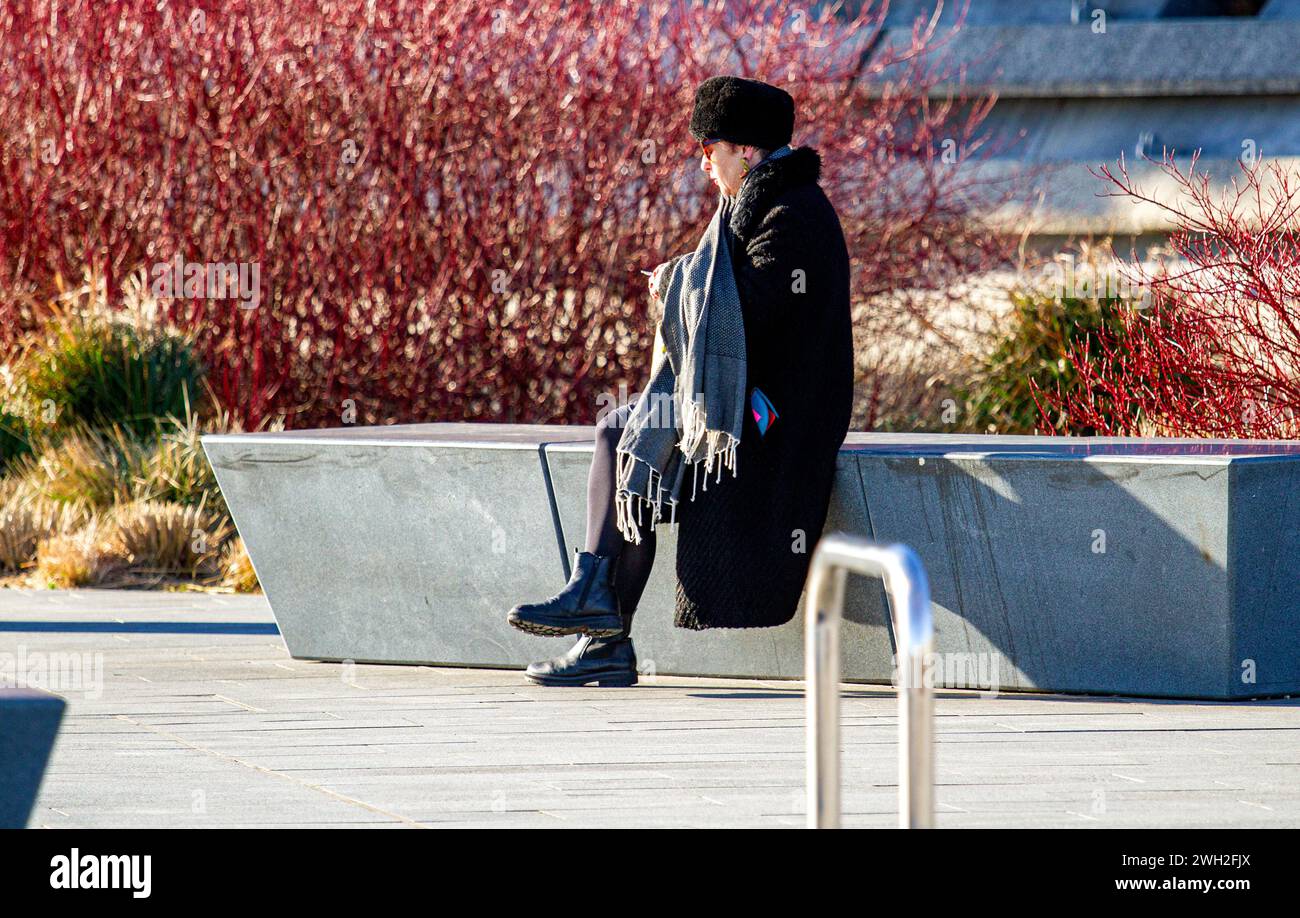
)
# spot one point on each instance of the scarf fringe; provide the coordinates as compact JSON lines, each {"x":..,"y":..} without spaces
{"x":717,"y":443}
{"x":694,"y":428}
{"x":627,"y":503}
{"x":725,"y":454}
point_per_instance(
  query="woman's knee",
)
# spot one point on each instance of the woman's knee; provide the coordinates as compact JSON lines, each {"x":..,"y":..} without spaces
{"x":609,"y":429}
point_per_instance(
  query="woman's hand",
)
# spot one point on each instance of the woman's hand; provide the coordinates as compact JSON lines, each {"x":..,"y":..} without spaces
{"x":654,"y":279}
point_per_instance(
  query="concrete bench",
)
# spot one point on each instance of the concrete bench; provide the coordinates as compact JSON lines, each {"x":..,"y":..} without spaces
{"x":1115,"y":566}
{"x":29,"y":722}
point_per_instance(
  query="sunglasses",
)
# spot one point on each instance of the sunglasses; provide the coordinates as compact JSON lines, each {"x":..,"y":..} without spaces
{"x":707,"y":146}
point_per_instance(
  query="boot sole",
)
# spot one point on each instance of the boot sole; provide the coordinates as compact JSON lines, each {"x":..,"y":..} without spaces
{"x":619,"y":680}
{"x":548,"y":630}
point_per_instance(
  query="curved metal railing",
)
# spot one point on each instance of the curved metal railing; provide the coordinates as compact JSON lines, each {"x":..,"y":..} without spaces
{"x":909,"y":594}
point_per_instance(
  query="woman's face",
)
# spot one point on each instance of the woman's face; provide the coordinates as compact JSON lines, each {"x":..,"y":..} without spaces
{"x":723,"y":164}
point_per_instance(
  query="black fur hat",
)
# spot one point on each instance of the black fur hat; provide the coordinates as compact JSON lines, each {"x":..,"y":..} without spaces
{"x":744,"y":112}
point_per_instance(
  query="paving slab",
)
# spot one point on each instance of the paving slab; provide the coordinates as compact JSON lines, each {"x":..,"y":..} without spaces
{"x":221,"y":728}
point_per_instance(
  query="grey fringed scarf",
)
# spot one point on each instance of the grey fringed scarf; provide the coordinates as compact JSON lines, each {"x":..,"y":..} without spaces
{"x":692,"y":410}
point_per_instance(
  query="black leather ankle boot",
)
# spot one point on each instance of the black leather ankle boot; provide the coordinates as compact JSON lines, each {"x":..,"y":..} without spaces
{"x":587,"y":605}
{"x":608,"y":662}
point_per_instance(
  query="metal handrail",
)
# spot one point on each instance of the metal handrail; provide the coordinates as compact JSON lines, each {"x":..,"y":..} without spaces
{"x":909,"y":592}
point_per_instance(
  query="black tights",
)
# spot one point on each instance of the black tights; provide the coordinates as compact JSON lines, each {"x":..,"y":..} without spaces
{"x":633,"y":559}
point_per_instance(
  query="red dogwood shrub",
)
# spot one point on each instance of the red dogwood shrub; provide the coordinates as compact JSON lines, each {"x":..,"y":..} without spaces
{"x":1214,"y":348}
{"x":404,"y":211}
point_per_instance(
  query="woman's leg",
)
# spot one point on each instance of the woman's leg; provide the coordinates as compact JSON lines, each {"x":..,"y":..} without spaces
{"x":606,"y":660}
{"x":634,"y":560}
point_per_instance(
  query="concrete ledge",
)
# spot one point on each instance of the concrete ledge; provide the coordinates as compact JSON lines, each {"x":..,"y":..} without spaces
{"x":29,"y":723}
{"x":396,"y":544}
{"x":1164,"y":568}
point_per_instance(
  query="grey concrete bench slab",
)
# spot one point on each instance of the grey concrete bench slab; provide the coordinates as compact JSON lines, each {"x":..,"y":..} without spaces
{"x":397,"y":544}
{"x":29,"y":723}
{"x":1164,"y":568}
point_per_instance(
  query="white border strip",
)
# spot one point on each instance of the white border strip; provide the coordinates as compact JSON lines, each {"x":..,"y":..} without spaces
{"x":1096,"y":458}
{"x":583,"y":443}
{"x":271,"y":439}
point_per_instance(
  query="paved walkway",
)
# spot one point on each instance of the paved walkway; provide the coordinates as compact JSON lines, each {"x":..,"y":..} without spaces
{"x":201,"y":718}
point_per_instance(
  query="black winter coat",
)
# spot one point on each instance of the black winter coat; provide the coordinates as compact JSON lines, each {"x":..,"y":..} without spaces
{"x":744,"y":543}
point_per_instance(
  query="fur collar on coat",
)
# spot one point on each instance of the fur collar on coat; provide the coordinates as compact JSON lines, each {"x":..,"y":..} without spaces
{"x":767,"y":181}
